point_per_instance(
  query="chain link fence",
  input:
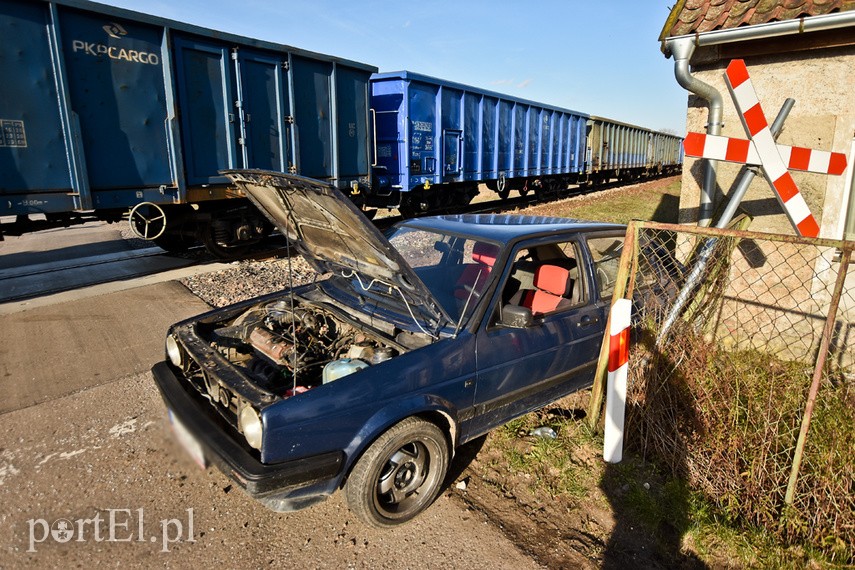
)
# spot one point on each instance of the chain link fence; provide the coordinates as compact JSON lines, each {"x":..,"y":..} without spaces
{"x":742,"y":374}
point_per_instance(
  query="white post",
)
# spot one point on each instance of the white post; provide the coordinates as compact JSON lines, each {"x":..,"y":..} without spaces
{"x":616,"y":386}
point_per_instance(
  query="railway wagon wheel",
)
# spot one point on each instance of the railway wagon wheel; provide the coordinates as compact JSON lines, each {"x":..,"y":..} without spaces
{"x":503,"y":189}
{"x":232,"y":233}
{"x":547,"y":189}
{"x":213,"y":242}
{"x":147,"y":220}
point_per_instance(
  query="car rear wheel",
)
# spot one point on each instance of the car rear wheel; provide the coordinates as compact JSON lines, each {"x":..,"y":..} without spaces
{"x":399,"y":475}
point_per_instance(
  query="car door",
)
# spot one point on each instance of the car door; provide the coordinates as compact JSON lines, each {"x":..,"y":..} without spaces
{"x":521,"y":369}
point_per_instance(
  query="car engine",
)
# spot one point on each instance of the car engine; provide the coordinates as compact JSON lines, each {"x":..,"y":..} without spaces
{"x":287,"y":350}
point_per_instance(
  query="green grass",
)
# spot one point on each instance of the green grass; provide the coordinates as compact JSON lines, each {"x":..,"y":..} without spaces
{"x":553,"y":463}
{"x":657,"y":202}
{"x":716,"y":538}
{"x":652,"y":503}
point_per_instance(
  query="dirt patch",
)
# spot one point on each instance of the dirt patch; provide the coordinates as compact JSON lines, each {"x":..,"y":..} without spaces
{"x":557,"y":531}
{"x":613,"y":520}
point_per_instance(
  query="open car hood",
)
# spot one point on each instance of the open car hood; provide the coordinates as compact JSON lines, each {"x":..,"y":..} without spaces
{"x":335,"y":236}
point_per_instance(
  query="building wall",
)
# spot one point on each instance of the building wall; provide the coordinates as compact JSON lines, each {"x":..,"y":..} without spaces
{"x":822,"y":82}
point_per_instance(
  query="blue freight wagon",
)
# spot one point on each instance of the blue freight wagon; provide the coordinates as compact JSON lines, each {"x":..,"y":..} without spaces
{"x":436,"y":140}
{"x":103,"y":109}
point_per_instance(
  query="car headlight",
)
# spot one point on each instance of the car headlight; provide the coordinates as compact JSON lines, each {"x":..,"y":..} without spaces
{"x":174,"y":351}
{"x":249,"y":423}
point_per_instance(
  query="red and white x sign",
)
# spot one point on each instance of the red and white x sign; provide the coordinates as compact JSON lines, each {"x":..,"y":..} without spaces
{"x":761,"y":150}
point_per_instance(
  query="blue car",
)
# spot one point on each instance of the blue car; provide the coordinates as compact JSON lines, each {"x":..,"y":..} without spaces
{"x":411,"y":343}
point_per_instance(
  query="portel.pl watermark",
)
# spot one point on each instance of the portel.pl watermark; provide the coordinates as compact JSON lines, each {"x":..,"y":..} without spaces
{"x":112,"y":525}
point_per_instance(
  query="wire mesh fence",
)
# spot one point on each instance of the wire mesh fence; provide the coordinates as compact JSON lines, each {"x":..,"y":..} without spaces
{"x":742,"y":373}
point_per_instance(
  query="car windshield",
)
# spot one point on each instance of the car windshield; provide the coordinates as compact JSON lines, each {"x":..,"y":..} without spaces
{"x":456,"y":269}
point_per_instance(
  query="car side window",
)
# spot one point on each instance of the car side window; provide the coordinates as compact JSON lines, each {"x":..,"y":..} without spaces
{"x":544,"y":279}
{"x":605,"y":253}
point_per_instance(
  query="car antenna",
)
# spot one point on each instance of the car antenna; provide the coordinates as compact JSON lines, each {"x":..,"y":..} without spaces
{"x":293,"y":317}
{"x":466,"y":304}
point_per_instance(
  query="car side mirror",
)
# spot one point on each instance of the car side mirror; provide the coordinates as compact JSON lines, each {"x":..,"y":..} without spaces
{"x":516,"y":317}
{"x":441,"y":246}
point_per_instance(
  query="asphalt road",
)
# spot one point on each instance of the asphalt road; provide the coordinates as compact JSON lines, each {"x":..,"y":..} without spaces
{"x":90,"y":473}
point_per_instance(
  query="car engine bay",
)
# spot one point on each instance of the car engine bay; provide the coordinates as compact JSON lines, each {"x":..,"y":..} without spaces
{"x":287,"y":349}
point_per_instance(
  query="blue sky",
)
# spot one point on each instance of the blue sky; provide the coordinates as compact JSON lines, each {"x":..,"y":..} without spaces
{"x":601,"y":58}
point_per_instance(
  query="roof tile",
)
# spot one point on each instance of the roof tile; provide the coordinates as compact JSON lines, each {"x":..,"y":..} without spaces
{"x":692,"y":16}
{"x":765,"y":7}
{"x":695,"y":4}
{"x":715,"y":17}
{"x":739,"y":8}
{"x":706,"y":15}
{"x":682,"y":29}
{"x":791,"y":14}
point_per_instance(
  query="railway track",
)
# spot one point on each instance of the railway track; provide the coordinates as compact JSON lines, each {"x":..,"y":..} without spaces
{"x":28,"y":281}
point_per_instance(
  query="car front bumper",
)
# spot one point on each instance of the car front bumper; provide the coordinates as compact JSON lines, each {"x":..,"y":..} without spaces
{"x":272,"y":484}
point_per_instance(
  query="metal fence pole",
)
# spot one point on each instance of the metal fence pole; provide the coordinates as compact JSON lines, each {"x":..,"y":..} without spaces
{"x":827,"y":333}
{"x":708,"y":246}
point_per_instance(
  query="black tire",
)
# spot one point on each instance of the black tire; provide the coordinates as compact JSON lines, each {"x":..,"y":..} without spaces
{"x":407,"y":211}
{"x":173,"y":242}
{"x":222,"y":251}
{"x":399,"y":475}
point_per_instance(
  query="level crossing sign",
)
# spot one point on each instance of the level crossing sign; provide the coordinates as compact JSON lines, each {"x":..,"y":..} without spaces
{"x":760,"y":149}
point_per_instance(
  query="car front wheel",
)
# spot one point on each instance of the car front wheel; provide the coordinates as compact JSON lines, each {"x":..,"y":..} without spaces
{"x":399,"y":475}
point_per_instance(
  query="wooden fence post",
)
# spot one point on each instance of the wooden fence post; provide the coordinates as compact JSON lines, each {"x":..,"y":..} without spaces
{"x":626,"y":261}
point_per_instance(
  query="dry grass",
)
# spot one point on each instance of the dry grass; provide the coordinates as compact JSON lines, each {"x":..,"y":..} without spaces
{"x":721,"y":401}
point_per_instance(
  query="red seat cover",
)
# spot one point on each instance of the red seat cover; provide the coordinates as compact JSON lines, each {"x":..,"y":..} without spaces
{"x":552,"y":284}
{"x":484,"y":254}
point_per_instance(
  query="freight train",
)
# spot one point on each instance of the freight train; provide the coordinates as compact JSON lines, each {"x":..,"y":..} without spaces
{"x":108,"y":114}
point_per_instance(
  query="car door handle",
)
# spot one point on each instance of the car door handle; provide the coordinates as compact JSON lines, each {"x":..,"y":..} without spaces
{"x":587,"y":321}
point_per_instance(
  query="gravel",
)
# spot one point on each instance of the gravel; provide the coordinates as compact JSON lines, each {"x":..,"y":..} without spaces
{"x":132,"y":241}
{"x":247,"y":279}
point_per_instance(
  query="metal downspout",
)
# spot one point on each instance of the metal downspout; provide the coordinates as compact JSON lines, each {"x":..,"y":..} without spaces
{"x":682,"y":50}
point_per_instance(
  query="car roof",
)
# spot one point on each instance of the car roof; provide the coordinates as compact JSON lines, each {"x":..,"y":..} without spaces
{"x":505,"y":228}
